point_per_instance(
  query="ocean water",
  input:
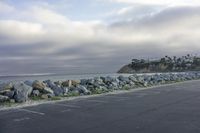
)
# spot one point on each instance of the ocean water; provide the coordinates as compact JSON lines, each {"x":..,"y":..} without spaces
{"x":62,"y":77}
{"x":53,"y":77}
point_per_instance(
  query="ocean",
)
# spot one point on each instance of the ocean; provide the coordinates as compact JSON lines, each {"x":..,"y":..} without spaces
{"x":53,"y":77}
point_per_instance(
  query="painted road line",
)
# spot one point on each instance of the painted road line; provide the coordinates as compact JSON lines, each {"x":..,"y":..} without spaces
{"x":33,"y":112}
{"x":21,"y":119}
{"x":67,"y":105}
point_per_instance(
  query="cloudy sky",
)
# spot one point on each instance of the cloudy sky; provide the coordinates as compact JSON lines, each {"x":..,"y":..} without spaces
{"x":87,"y":36}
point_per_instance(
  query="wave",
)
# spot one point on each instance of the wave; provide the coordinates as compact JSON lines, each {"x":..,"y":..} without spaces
{"x":23,"y":75}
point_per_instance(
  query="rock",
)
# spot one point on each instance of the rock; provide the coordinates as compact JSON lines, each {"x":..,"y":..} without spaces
{"x":49,"y":83}
{"x":38,"y":85}
{"x":124,"y":79}
{"x":9,"y":94}
{"x":108,"y":80}
{"x":6,"y":87}
{"x":22,"y":91}
{"x":50,"y":95}
{"x":84,"y":81}
{"x":75,"y":82}
{"x":90,"y":82}
{"x":83,"y":90}
{"x":145,"y":84}
{"x":3,"y":98}
{"x":57,"y":90}
{"x":67,"y":83}
{"x":28,"y":82}
{"x":98,"y":80}
{"x":12,"y":100}
{"x":65,"y":90}
{"x":58,"y":83}
{"x":48,"y":90}
{"x":132,"y":78}
{"x":44,"y":96}
{"x":36,"y":92}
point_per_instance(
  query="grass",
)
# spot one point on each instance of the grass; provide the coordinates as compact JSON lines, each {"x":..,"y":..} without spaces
{"x":126,"y":88}
{"x":72,"y":94}
{"x":36,"y":98}
{"x":7,"y":104}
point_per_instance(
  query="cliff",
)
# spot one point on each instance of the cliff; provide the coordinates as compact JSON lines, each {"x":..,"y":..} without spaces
{"x":165,"y":64}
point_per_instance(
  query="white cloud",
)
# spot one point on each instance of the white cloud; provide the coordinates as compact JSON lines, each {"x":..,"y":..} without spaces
{"x":46,"y":35}
{"x":162,"y":2}
{"x":5,"y":7}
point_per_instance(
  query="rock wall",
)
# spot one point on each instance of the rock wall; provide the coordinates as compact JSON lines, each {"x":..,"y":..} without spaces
{"x":22,"y":91}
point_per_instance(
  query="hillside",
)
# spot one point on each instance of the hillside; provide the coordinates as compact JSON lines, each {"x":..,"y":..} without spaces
{"x":165,"y":64}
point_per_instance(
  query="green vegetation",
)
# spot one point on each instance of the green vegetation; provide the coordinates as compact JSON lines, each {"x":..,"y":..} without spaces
{"x":72,"y":94}
{"x":7,"y":104}
{"x":165,"y":64}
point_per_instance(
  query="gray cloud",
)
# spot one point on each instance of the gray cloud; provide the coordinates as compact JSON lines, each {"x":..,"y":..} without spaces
{"x":59,"y":45}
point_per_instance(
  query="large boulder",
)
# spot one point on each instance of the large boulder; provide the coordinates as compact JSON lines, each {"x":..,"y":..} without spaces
{"x":67,"y":83}
{"x":22,"y":91}
{"x":38,"y":85}
{"x":9,"y":94}
{"x":47,"y":90}
{"x":75,"y":82}
{"x":57,"y":90}
{"x":36,"y":93}
{"x":5,"y":87}
{"x":3,"y":98}
{"x":123,"y":78}
{"x":28,"y":82}
{"x":83,"y":90}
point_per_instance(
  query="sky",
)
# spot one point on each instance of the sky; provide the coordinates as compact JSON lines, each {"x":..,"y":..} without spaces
{"x":93,"y":36}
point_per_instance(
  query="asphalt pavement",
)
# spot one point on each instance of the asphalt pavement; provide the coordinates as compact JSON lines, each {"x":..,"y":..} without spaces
{"x":165,"y":109}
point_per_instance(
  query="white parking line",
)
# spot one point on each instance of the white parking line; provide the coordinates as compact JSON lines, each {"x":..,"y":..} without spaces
{"x":67,"y":105}
{"x":21,"y":119}
{"x":30,"y":111}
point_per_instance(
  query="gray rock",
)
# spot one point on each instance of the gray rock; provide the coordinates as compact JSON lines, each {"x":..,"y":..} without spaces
{"x":50,"y":95}
{"x":132,"y":78}
{"x":65,"y":90}
{"x":22,"y":91}
{"x":48,"y":90}
{"x":57,"y":90}
{"x":67,"y":83}
{"x":38,"y":85}
{"x":36,"y":92}
{"x":122,"y":78}
{"x":6,"y":87}
{"x":84,"y":81}
{"x":90,"y":82}
{"x":3,"y":98}
{"x":83,"y":90}
{"x":9,"y":94}
{"x":58,"y":83}
{"x":28,"y":82}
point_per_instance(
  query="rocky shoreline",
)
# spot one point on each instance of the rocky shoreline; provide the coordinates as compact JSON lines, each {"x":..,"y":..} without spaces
{"x":21,"y":92}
